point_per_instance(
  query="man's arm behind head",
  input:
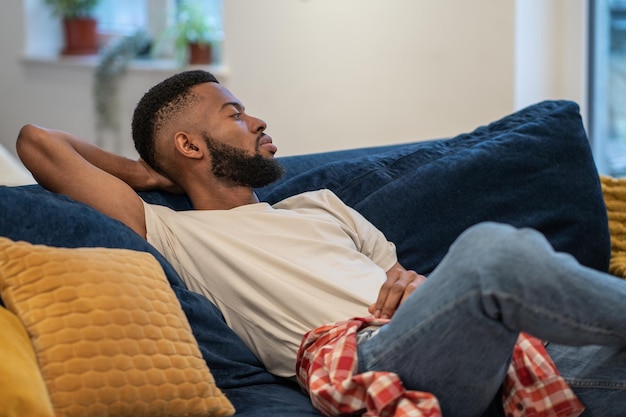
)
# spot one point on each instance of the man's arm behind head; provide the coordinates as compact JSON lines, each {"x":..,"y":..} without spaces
{"x":63,"y":163}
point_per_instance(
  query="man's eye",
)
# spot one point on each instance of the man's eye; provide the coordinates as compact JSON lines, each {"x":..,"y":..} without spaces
{"x":236,"y":116}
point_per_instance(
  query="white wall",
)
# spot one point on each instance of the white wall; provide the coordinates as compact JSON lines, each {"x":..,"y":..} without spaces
{"x":328,"y":74}
{"x":551,"y":51}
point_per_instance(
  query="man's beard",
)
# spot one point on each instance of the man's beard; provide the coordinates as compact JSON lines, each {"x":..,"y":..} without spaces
{"x":238,"y":168}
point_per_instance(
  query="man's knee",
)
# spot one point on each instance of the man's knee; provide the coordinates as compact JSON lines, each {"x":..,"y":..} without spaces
{"x":497,"y":242}
{"x":487,"y":234}
{"x":489,"y":230}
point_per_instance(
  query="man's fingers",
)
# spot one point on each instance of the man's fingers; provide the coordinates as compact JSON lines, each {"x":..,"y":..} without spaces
{"x":412,"y":286}
{"x":383,"y":295}
{"x":393,"y":293}
{"x":394,"y":296}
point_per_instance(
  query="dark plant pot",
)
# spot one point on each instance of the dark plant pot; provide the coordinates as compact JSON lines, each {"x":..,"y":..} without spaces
{"x":200,"y":54}
{"x":81,"y":37}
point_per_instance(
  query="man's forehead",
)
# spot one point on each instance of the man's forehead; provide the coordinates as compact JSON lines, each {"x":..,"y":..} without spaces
{"x":215,"y":93}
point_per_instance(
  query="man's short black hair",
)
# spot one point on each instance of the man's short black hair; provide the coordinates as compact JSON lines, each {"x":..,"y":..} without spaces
{"x":159,"y":104}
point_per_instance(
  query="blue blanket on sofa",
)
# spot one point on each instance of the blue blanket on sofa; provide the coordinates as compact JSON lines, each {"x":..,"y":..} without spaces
{"x":533,"y":168}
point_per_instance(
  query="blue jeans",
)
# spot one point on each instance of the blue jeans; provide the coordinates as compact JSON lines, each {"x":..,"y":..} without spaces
{"x":455,"y":334}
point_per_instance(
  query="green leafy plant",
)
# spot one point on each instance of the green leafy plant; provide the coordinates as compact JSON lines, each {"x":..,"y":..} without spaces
{"x":72,"y":8}
{"x":191,"y":26}
{"x":114,"y":61}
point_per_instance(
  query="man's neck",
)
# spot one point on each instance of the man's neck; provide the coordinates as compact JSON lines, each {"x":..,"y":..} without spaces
{"x":222,"y":199}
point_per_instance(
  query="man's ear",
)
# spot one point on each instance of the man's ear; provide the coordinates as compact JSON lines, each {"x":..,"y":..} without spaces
{"x":187,"y":145}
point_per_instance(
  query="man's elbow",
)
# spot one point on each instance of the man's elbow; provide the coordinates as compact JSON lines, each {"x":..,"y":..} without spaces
{"x":29,"y":141}
{"x":31,"y":146}
{"x":29,"y":134}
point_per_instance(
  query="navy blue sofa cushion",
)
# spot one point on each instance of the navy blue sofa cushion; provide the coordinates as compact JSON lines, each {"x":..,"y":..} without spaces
{"x":533,"y":168}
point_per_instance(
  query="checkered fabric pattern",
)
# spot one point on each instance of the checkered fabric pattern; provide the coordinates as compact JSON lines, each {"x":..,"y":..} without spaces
{"x":534,"y":387}
{"x":327,"y":368}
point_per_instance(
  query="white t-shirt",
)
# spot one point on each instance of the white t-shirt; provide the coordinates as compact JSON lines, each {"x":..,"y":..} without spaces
{"x":276,"y":272}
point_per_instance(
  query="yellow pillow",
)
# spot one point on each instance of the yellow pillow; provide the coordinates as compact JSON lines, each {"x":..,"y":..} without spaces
{"x":108,"y":331}
{"x":614,"y":191}
{"x":22,"y":390}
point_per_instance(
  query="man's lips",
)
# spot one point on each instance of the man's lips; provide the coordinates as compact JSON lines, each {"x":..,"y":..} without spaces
{"x":265,"y":142}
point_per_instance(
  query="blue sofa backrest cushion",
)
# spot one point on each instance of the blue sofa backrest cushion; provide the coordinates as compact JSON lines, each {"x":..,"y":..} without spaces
{"x":533,"y":168}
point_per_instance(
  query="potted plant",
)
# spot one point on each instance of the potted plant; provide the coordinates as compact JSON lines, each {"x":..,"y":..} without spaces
{"x":79,"y":25}
{"x":192,"y":34}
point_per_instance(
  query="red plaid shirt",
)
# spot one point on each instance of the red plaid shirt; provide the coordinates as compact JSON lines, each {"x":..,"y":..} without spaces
{"x":327,"y":368}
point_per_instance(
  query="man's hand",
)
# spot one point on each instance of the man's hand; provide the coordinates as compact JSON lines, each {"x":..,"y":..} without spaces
{"x":159,"y":181}
{"x":399,"y":285}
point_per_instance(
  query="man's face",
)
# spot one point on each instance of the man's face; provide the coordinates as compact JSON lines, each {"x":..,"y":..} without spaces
{"x":241,"y":152}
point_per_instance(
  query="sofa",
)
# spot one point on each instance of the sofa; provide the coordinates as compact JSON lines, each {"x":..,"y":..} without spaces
{"x":532,"y":168}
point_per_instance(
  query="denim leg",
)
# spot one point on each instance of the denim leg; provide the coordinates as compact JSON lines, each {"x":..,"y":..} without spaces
{"x":597,"y":374}
{"x":454,"y":335}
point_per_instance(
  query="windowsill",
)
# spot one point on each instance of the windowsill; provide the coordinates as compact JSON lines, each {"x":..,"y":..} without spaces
{"x":139,"y":64}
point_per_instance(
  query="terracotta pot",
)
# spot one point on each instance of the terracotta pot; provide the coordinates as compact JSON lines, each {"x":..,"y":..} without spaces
{"x":81,"y":37}
{"x":200,"y":54}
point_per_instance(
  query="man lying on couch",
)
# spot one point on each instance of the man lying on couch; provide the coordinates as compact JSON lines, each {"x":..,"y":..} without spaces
{"x":289,"y":278}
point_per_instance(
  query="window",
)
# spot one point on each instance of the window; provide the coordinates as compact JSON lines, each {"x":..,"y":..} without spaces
{"x":115,"y":18}
{"x":607,"y":85}
{"x":121,"y":16}
{"x":212,"y":9}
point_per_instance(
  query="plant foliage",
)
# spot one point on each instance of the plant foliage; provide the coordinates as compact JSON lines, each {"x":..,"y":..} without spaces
{"x":114,"y":61}
{"x":72,"y":8}
{"x":191,"y":26}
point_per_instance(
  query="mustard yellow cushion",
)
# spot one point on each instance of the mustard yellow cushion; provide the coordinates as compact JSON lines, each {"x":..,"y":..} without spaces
{"x":22,"y":389}
{"x":109,"y":333}
{"x":614,"y":191}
